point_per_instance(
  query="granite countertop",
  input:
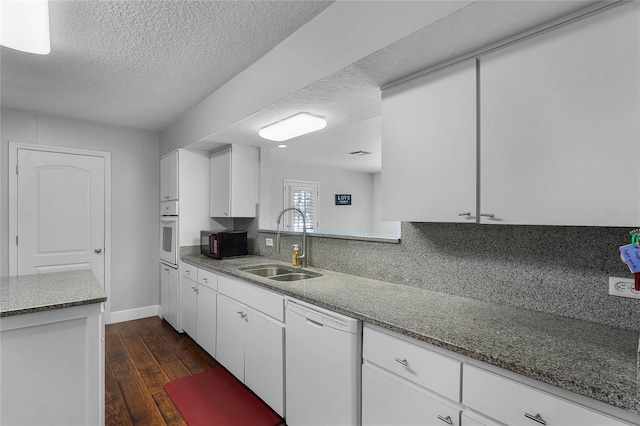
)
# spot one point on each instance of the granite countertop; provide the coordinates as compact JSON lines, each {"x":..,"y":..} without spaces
{"x":590,"y":359}
{"x":43,"y":292}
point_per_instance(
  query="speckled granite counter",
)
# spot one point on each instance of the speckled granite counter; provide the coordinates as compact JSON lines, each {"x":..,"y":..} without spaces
{"x":593,"y":360}
{"x":42,"y":292}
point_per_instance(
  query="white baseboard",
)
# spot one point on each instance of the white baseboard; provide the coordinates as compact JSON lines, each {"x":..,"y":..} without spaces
{"x":134,"y":314}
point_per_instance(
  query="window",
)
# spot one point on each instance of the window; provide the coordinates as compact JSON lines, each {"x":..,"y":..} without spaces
{"x":304,"y":196}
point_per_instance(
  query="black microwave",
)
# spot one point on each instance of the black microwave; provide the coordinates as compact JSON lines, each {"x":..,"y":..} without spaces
{"x":223,"y":243}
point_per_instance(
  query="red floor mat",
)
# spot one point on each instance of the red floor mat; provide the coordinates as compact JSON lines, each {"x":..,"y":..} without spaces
{"x":216,"y":398}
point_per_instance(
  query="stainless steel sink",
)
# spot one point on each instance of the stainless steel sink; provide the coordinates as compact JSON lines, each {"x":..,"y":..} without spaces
{"x":280,"y":273}
{"x":296,"y":276}
{"x":269,"y":271}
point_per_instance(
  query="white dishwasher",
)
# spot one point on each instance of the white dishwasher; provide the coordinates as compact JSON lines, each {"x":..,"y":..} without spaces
{"x":323,"y":366}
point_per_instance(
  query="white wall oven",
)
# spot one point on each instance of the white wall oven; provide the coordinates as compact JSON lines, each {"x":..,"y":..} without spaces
{"x":169,"y":235}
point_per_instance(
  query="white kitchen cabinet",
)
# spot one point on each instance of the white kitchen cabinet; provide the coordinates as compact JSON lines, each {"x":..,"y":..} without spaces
{"x":198,"y":306}
{"x":206,"y":319}
{"x":389,"y":400}
{"x":250,"y":343}
{"x":404,"y":383}
{"x":429,"y":147}
{"x":555,"y":136}
{"x":52,"y":367}
{"x":231,"y":336}
{"x":169,"y":294}
{"x":511,"y":402}
{"x":169,"y":177}
{"x":234,"y":182}
{"x":188,"y":306}
{"x":559,"y":125}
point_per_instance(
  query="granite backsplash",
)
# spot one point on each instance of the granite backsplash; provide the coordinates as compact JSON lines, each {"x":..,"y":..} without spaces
{"x":561,"y":270}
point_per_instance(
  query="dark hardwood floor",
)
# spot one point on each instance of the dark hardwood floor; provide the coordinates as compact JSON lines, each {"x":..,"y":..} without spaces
{"x":141,"y":356}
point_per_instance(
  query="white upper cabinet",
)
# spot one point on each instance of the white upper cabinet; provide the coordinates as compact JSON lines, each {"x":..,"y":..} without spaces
{"x":169,"y":177}
{"x":560,"y":132}
{"x":549,"y":135}
{"x":429,"y":147}
{"x":234,"y":182}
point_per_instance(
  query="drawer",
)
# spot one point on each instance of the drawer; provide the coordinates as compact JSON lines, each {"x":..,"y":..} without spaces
{"x":426,"y":368}
{"x":257,"y":298}
{"x":169,"y":208}
{"x":514,"y":403}
{"x":208,"y":279}
{"x":189,"y":271}
{"x":388,"y":400}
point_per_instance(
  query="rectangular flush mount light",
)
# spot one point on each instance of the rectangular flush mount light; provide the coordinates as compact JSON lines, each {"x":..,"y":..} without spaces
{"x":294,"y":126}
{"x":24,"y":25}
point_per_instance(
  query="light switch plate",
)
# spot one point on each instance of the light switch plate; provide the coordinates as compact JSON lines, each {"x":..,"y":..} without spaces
{"x":269,"y":242}
{"x":623,"y":287}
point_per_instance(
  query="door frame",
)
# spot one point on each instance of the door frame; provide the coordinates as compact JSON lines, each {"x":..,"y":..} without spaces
{"x":13,"y":207}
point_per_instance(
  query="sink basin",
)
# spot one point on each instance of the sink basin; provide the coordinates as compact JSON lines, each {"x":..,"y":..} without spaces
{"x":269,"y":271}
{"x":280,"y":273}
{"x":296,"y":276}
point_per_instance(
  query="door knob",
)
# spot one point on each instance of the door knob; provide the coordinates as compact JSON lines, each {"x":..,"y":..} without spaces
{"x":98,"y":250}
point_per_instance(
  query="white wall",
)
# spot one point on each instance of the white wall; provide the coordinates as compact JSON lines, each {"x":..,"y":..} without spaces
{"x":135,"y":177}
{"x":358,"y":217}
{"x":379,"y":226}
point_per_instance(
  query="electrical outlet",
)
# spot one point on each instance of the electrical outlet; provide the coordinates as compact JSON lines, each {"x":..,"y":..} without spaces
{"x":623,"y":287}
{"x":269,"y":242}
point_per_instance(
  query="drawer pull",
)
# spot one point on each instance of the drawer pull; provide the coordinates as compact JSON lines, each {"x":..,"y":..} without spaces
{"x":205,"y":279}
{"x":402,"y":361}
{"x":537,"y":418}
{"x":447,"y":419}
{"x":487,"y":215}
{"x":464,"y":214}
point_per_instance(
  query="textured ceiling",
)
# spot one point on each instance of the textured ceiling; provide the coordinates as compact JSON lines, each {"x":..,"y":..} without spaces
{"x":144,"y":63}
{"x":350,"y":99}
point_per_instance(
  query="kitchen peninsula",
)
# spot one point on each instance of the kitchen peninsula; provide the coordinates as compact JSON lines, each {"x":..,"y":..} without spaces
{"x":52,"y":349}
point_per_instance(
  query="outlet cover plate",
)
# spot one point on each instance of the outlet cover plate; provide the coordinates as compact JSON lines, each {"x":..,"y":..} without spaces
{"x":269,"y":242}
{"x":623,"y":287}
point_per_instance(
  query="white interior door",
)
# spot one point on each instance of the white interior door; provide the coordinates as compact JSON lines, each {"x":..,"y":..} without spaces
{"x":60,"y":212}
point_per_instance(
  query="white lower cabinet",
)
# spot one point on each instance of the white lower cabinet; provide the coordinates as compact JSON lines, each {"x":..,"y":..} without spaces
{"x":250,"y":344}
{"x":514,"y":403}
{"x":390,"y":400}
{"x":408,"y":382}
{"x":198,"y":306}
{"x":169,"y":294}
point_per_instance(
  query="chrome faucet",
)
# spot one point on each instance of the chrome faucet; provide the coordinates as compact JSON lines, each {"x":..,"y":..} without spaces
{"x":303,"y":255}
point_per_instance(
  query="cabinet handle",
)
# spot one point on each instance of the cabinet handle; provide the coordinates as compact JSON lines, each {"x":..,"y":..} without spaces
{"x":204,"y":279}
{"x":487,"y":215}
{"x":402,"y":361}
{"x":193,"y":288}
{"x":537,"y":418}
{"x":447,"y":419}
{"x":464,"y":214}
{"x":166,"y":270}
{"x":242,"y":314}
{"x":166,"y":196}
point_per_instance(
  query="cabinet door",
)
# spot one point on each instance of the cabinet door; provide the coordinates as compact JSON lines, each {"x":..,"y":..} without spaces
{"x":264,"y":360}
{"x":169,"y":177}
{"x":388,"y":400}
{"x":244,"y":180}
{"x":169,"y":294}
{"x":559,"y":125}
{"x":206,"y":319}
{"x":429,"y":147}
{"x":188,"y":306}
{"x":232,"y":325}
{"x":220,"y":198}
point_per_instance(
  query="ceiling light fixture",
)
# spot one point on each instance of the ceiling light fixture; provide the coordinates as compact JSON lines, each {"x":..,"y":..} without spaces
{"x":25,"y":25}
{"x":294,"y":126}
